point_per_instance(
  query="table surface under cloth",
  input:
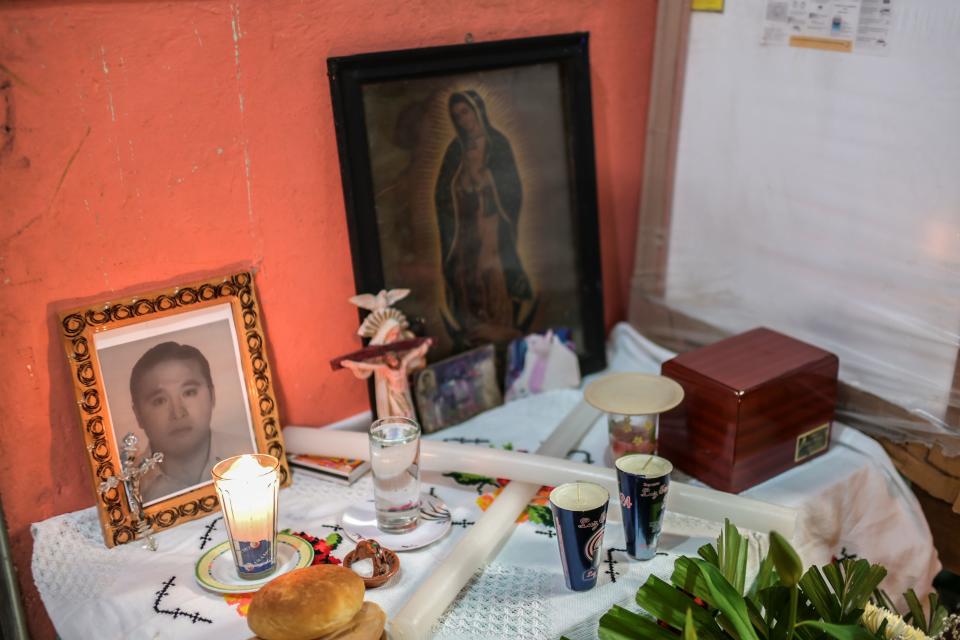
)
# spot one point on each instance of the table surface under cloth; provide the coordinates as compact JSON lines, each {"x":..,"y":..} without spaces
{"x":851,"y":501}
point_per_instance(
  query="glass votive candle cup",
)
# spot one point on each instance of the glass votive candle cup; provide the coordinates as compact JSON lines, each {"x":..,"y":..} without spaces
{"x":632,"y":433}
{"x":248,"y":487}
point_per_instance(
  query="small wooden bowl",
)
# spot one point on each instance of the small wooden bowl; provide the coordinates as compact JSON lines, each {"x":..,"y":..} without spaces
{"x":386,"y":563}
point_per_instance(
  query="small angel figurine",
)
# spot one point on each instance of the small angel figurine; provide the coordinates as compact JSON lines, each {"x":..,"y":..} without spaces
{"x":384,"y":324}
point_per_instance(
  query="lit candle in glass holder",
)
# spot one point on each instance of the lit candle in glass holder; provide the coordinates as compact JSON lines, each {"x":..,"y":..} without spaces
{"x":247,"y":486}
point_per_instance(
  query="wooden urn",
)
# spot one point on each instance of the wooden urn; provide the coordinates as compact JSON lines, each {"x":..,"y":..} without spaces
{"x":756,"y":404}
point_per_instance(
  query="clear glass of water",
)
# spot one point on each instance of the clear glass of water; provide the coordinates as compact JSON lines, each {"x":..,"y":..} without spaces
{"x":395,"y":461}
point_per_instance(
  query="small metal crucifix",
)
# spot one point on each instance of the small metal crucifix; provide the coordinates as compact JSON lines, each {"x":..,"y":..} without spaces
{"x":130,"y":476}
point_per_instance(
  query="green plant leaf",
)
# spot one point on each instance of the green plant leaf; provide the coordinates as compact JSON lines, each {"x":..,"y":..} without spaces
{"x":775,"y":602}
{"x":766,"y":577}
{"x":882,"y":629}
{"x":687,"y":576}
{"x":834,"y":576}
{"x":709,"y":553}
{"x":622,"y":624}
{"x":808,"y":633}
{"x":776,"y":610}
{"x":725,"y":624}
{"x":756,"y":619}
{"x":783,"y":603}
{"x":915,"y":617}
{"x":667,"y":603}
{"x":840,"y":631}
{"x":785,"y":559}
{"x":738,"y":578}
{"x":689,"y":632}
{"x":730,"y":555}
{"x":815,"y":589}
{"x":881,"y":599}
{"x":860,"y":581}
{"x":733,"y":547}
{"x":727,"y":600}
{"x":938,"y":616}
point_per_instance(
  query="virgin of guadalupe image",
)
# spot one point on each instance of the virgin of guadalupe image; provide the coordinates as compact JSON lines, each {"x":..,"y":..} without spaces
{"x":479,"y":197}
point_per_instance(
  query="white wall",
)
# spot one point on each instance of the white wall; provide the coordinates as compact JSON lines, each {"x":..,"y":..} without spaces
{"x":818,"y":193}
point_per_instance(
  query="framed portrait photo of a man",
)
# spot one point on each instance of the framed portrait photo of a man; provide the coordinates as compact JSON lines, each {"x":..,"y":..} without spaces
{"x":182,"y":373}
{"x":468,"y":176}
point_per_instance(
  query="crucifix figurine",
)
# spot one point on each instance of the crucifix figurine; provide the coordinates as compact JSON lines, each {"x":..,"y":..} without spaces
{"x":391,"y":363}
{"x":393,"y":352}
{"x":130,"y":476}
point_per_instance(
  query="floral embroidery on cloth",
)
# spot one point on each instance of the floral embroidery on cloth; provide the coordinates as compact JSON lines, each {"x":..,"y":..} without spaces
{"x":322,"y":548}
{"x":474,"y":480}
{"x":322,"y":554}
{"x":538,"y":511}
{"x":240,"y":600}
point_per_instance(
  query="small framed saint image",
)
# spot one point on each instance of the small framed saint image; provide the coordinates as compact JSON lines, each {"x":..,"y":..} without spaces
{"x":456,"y":389}
{"x":185,"y":373}
{"x":468,"y":177}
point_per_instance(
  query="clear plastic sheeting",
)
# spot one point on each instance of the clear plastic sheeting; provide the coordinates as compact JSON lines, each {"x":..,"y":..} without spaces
{"x":818,"y":193}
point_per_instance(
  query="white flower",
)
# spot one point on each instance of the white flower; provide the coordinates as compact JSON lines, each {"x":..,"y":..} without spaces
{"x":897,"y":629}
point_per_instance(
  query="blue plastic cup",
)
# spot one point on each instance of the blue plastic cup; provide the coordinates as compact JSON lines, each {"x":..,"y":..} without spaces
{"x":644,"y":480}
{"x":580,"y":515}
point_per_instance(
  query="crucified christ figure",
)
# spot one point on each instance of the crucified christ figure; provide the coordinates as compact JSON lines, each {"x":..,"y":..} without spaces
{"x":393,"y":370}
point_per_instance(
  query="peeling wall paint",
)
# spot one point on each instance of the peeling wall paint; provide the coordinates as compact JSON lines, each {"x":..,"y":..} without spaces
{"x":157,"y":139}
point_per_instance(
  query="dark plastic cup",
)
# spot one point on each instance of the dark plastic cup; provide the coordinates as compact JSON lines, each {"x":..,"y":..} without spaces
{"x":580,"y":515}
{"x":644,"y":481}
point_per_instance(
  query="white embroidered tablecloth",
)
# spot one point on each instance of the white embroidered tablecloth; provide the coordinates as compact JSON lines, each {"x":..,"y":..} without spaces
{"x":851,"y":501}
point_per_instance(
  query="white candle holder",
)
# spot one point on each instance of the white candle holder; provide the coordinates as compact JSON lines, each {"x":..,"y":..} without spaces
{"x":247,"y":486}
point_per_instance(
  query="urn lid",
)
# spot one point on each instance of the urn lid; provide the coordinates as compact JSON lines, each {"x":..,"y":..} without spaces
{"x":634,"y":394}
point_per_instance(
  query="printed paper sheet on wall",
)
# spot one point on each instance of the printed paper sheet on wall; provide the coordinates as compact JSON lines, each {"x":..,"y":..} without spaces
{"x":847,"y":26}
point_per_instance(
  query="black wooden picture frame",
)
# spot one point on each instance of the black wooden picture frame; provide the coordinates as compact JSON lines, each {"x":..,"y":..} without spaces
{"x":579,"y":297}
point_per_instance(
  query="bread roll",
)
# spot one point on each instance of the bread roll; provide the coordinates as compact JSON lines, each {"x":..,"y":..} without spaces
{"x":366,"y":625}
{"x":306,"y":603}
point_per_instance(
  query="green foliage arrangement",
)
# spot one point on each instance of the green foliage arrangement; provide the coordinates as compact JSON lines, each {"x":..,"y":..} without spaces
{"x":707,"y":599}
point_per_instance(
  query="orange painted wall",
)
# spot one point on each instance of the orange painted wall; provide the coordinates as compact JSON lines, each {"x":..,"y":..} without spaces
{"x":144,"y":141}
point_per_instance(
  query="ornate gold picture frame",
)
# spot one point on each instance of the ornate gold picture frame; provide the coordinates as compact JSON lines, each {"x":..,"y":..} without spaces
{"x":185,"y":368}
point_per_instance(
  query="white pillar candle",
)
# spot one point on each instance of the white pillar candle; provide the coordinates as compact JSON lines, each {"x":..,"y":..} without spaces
{"x":417,"y":617}
{"x":699,"y":502}
{"x":579,"y":496}
{"x":644,"y":464}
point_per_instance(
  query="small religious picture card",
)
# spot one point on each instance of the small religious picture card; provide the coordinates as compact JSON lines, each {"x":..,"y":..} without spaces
{"x":541,"y":362}
{"x":453,"y":390}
